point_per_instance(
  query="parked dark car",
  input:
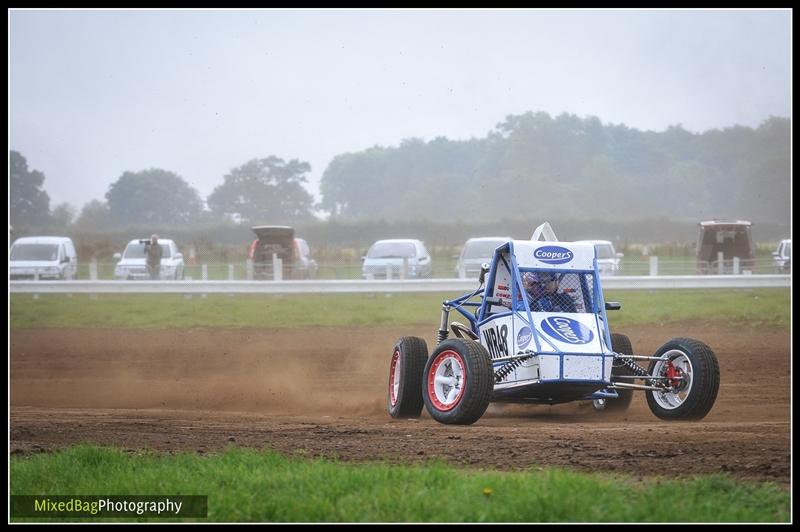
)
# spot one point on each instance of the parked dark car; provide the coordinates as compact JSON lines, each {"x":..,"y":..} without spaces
{"x":279,"y":241}
{"x":731,"y":238}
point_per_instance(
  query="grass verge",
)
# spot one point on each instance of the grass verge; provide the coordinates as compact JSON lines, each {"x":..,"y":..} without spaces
{"x":756,"y":307}
{"x":247,"y":486}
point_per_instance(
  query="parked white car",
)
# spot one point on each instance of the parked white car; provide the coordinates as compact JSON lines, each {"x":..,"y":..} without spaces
{"x":609,"y":262}
{"x":477,"y":251}
{"x":42,"y":257}
{"x":782,"y":257}
{"x":132,"y":263}
{"x":395,"y":254}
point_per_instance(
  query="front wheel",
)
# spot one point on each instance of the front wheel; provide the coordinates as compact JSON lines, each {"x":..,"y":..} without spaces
{"x":458,"y":382}
{"x":691,"y":371}
{"x":405,"y":377}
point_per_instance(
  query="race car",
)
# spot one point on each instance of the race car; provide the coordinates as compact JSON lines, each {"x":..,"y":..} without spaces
{"x":537,"y":332}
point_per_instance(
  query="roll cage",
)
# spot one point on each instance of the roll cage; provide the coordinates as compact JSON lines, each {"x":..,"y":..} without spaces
{"x":489,"y":304}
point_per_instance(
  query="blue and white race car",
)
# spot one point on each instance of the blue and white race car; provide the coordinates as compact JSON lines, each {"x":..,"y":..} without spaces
{"x":538,"y":333}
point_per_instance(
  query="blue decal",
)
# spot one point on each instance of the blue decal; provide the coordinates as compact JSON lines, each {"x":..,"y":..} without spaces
{"x":567,"y":330}
{"x":524,"y":337}
{"x":552,"y":254}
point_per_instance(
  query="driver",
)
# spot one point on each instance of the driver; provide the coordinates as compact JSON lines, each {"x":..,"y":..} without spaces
{"x":543,"y":295}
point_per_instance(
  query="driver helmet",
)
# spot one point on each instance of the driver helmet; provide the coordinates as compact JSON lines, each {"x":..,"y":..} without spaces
{"x":535,"y":282}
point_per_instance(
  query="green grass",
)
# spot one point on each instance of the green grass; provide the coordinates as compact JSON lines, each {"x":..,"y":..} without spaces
{"x":249,"y":485}
{"x":756,"y":307}
{"x":750,"y":308}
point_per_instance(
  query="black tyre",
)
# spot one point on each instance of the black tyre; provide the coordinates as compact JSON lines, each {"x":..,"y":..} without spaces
{"x":406,"y":368}
{"x":458,"y":382}
{"x":696,"y":370}
{"x":620,"y":344}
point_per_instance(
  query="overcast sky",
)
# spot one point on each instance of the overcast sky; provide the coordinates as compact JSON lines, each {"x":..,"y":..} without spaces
{"x":93,"y":94}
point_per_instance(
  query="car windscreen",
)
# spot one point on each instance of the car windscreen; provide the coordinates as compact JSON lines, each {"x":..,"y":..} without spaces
{"x":35,"y":252}
{"x":787,"y":250}
{"x":136,"y":251}
{"x":604,"y":251}
{"x":481,"y":249}
{"x":386,"y":250}
{"x":568,"y":292}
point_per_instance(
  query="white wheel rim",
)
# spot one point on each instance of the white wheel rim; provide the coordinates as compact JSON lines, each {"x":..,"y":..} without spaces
{"x":670,"y":400}
{"x":448,"y":380}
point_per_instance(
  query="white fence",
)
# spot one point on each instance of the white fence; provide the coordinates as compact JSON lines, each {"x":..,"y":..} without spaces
{"x":664,"y":282}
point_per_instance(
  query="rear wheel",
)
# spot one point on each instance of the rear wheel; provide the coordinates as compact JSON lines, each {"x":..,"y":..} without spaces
{"x":406,"y":368}
{"x":692,"y":372}
{"x":620,"y":343}
{"x":458,"y":382}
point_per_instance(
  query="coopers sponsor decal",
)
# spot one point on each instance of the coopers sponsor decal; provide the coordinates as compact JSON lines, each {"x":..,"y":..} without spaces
{"x":567,"y":330}
{"x":524,"y":337}
{"x":553,"y":255}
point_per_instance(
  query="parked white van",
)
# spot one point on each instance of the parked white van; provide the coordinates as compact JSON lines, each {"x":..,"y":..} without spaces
{"x":42,"y":257}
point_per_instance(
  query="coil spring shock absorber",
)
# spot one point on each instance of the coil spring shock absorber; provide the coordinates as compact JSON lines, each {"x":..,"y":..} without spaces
{"x":442,"y":333}
{"x":506,"y":369}
{"x":637,"y":370}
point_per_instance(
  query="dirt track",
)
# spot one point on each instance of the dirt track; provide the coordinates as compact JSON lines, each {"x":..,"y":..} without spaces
{"x":321,"y":391}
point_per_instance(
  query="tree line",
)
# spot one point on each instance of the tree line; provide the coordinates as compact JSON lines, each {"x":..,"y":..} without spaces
{"x":529,"y":167}
{"x":259,"y":190}
{"x":569,"y":167}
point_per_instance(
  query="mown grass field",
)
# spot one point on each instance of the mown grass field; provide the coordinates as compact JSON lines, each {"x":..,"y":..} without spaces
{"x":247,"y":485}
{"x":750,"y":308}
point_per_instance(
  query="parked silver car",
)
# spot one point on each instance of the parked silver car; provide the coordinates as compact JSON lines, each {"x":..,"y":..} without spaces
{"x":609,"y":262}
{"x":132,"y":263}
{"x":400,"y":257}
{"x":475,"y":252}
{"x":782,"y":257}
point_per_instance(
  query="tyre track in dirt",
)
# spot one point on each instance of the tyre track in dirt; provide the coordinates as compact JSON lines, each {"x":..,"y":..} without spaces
{"x":321,"y":392}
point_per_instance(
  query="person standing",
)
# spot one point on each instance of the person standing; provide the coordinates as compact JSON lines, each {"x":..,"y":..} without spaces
{"x":153,"y":252}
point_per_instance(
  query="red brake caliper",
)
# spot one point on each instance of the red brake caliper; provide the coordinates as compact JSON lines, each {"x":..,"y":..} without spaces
{"x":674,"y":375}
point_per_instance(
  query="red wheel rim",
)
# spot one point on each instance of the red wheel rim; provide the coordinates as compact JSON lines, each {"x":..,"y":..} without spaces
{"x":393,"y":372}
